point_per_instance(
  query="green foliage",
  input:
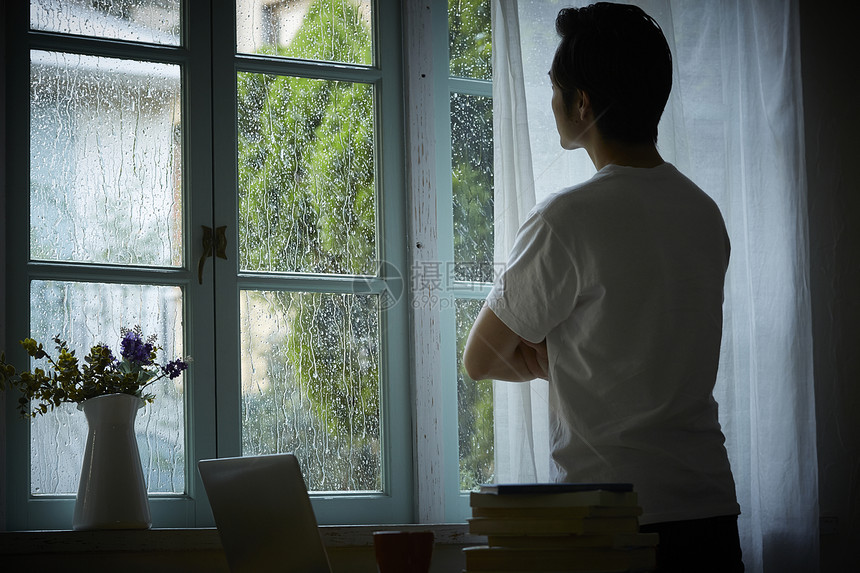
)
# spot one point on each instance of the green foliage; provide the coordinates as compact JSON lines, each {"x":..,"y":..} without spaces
{"x":470,"y":39}
{"x":472,"y":141}
{"x":475,"y":412}
{"x":472,"y":186}
{"x":335,"y":355}
{"x":308,"y":204}
{"x":337,"y":359}
{"x":321,"y":396}
{"x":306,"y":161}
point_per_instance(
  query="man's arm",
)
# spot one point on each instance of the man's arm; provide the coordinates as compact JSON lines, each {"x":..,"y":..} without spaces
{"x":495,"y":351}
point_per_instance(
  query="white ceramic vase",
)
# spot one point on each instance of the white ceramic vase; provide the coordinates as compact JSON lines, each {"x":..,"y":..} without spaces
{"x":112,"y":491}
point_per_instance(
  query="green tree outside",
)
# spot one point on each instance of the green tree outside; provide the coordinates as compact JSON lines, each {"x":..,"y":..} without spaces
{"x":470,"y":44}
{"x":307,"y":205}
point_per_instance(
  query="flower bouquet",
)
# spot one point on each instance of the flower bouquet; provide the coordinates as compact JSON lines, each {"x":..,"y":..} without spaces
{"x":101,"y":374}
{"x":112,"y":490}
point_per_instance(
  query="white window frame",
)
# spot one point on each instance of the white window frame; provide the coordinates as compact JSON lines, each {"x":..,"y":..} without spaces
{"x":204,"y":408}
{"x":429,"y":88}
{"x":24,"y":511}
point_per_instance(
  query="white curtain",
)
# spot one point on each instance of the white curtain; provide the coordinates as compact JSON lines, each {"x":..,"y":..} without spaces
{"x":733,"y":124}
{"x":520,"y":410}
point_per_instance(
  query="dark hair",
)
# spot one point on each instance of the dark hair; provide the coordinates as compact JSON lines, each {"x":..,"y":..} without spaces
{"x":618,"y":55}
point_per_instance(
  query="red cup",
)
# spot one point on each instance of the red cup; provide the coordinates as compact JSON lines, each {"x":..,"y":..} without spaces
{"x":403,"y":551}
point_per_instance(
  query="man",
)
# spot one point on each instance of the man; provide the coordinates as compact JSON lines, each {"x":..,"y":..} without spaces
{"x":613,"y":292}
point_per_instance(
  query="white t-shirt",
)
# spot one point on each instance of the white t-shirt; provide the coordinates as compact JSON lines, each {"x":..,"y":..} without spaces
{"x":623,"y":276}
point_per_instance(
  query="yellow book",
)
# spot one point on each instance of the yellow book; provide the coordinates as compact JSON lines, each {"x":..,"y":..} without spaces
{"x":605,"y":540}
{"x":484,"y":558}
{"x":556,"y":512}
{"x":570,"y":499}
{"x":602,"y":570}
{"x":575,"y":525}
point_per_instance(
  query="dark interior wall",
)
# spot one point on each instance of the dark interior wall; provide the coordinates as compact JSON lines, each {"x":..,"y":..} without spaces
{"x":831,"y":84}
{"x":2,"y":261}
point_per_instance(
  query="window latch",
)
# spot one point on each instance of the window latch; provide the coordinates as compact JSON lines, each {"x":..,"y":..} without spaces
{"x":219,"y":245}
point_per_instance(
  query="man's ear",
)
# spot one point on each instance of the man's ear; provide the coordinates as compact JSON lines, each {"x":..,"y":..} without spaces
{"x":582,"y":105}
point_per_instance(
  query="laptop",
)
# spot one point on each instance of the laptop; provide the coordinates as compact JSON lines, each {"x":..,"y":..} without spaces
{"x":263,"y":514}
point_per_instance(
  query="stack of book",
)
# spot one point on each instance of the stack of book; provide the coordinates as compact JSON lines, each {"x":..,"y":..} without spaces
{"x":559,"y":527}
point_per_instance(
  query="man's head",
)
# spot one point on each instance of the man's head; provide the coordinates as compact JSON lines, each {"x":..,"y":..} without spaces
{"x":618,"y":56}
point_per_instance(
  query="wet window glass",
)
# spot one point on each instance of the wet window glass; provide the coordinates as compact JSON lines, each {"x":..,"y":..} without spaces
{"x":85,"y":314}
{"x":310,"y":384}
{"x":307,"y":192}
{"x":470,"y":39}
{"x":149,"y":21}
{"x":105,"y":160}
{"x":325,"y":30}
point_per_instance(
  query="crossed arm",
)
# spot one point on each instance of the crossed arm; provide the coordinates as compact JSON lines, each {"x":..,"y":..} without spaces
{"x":495,"y":351}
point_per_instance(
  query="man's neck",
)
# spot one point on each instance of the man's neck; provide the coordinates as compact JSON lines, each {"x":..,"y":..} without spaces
{"x":603,"y":152}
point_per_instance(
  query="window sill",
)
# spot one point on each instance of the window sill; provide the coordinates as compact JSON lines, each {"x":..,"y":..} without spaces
{"x":203,"y":539}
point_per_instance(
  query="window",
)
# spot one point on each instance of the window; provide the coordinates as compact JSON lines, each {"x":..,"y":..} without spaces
{"x":317,"y":212}
{"x":299,"y":334}
{"x":470,"y":276}
{"x":103,"y":228}
{"x":472,"y":200}
{"x":284,"y":144}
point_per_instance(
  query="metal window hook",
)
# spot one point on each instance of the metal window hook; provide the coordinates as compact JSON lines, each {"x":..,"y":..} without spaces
{"x":219,"y":244}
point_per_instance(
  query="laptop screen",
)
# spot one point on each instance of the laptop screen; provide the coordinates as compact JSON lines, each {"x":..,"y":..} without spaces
{"x":264,"y":515}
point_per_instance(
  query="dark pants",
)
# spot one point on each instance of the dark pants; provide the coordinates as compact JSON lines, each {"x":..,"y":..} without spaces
{"x":698,"y":545}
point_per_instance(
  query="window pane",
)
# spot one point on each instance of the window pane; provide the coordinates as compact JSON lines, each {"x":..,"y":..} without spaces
{"x":151,"y":21}
{"x":310,"y":384}
{"x":327,"y":30}
{"x":475,"y":409}
{"x":472,"y":172}
{"x":307,"y":200}
{"x":85,"y":314}
{"x":105,"y":167}
{"x":470,"y":39}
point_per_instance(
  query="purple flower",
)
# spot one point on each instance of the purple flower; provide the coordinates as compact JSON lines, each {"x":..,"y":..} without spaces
{"x":174,"y":368}
{"x":135,"y":350}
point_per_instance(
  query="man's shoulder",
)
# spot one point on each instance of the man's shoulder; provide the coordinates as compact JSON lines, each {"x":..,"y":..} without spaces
{"x":581,"y":193}
{"x":620,"y":196}
{"x":616,"y":183}
{"x":580,"y":200}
